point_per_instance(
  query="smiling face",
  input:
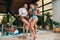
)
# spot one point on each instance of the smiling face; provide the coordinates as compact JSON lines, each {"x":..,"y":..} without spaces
{"x":32,"y":6}
{"x":25,"y":6}
{"x":36,"y":5}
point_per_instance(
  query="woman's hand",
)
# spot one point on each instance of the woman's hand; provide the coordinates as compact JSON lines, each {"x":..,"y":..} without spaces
{"x":30,"y":20}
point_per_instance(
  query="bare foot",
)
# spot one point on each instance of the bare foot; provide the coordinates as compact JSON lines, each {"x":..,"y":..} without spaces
{"x":36,"y":36}
{"x":31,"y":38}
{"x":26,"y":36}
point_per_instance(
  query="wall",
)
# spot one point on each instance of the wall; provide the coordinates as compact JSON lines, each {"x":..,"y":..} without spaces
{"x":56,"y":10}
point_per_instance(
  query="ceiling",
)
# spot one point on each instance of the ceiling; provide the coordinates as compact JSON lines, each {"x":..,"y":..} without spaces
{"x":14,"y":5}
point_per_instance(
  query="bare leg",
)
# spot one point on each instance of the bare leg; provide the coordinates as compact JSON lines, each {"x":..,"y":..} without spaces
{"x":35,"y":27}
{"x":24,"y":29}
{"x":26,"y":23}
{"x":33,"y":23}
{"x":30,"y":20}
{"x":32,"y":28}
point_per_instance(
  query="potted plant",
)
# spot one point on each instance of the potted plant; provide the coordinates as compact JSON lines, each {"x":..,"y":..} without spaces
{"x":40,"y":22}
{"x":48,"y":22}
{"x":45,"y":21}
{"x":57,"y":27}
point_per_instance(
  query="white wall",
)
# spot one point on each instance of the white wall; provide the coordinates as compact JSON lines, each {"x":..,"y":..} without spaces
{"x":56,"y":10}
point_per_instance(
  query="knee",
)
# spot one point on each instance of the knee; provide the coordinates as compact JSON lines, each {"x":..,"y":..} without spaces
{"x":32,"y":23}
{"x":27,"y":25}
{"x":35,"y":26}
{"x":32,"y":29}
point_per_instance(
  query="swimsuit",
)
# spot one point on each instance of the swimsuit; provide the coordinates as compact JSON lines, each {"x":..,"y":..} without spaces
{"x":34,"y":15}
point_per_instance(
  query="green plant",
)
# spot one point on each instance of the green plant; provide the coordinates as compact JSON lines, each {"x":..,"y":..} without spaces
{"x":56,"y":24}
{"x":48,"y":21}
{"x":40,"y":20}
{"x":4,"y":20}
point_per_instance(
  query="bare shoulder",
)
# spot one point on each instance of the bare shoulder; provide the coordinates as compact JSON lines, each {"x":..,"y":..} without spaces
{"x":37,"y":8}
{"x":30,"y":9}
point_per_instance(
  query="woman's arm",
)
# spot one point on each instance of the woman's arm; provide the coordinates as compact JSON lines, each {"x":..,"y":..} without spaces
{"x":38,"y":12}
{"x":30,"y":11}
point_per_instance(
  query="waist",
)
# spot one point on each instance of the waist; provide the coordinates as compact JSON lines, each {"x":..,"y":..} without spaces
{"x":34,"y":15}
{"x":25,"y":17}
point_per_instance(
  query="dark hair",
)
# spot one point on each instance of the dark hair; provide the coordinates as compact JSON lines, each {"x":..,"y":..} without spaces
{"x":31,"y":3}
{"x":36,"y":4}
{"x":24,"y":4}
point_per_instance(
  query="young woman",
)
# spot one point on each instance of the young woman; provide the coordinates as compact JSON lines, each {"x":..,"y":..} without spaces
{"x":33,"y":20}
{"x":37,"y":12}
{"x":23,"y":15}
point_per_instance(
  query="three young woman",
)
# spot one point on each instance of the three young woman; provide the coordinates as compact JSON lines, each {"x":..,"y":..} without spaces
{"x":34,"y":11}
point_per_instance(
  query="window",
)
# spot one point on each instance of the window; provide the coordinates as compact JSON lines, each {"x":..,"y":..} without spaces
{"x":2,"y":17}
{"x":45,"y":6}
{"x":39,"y":2}
{"x":47,"y":1}
{"x":51,"y":12}
{"x":48,"y":6}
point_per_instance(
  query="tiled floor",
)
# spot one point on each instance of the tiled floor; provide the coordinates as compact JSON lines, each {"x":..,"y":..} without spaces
{"x":40,"y":36}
